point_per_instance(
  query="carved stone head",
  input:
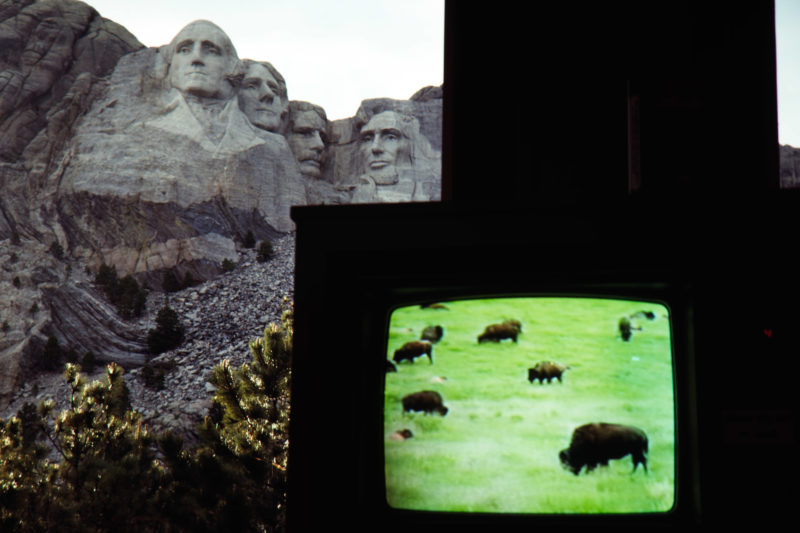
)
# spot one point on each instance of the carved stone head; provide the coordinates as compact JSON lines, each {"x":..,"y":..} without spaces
{"x":263,"y":96}
{"x":307,"y":134}
{"x":386,"y":144}
{"x":202,"y":60}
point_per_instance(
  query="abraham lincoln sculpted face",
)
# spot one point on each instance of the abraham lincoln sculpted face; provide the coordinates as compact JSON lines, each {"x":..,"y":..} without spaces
{"x":385,"y":146}
{"x":202,"y":59}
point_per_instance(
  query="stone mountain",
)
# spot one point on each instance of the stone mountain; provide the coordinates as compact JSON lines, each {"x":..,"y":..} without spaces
{"x":158,"y":160}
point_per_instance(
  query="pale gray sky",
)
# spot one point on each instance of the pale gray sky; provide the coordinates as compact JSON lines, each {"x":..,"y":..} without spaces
{"x":331,"y":53}
{"x":787,"y":43}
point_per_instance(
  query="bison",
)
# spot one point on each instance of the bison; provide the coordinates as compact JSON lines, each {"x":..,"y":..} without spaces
{"x":401,"y":434}
{"x":413,"y":349}
{"x":546,"y":370}
{"x":626,"y":328}
{"x":509,"y":329}
{"x":390,"y":366}
{"x":432,"y":333}
{"x":597,"y":443}
{"x":428,"y":401}
{"x":649,"y":315}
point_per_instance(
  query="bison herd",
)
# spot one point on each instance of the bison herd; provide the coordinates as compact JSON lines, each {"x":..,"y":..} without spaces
{"x":591,"y":444}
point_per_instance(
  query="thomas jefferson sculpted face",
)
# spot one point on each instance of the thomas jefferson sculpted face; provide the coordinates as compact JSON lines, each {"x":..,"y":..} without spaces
{"x":202,"y":57}
{"x":307,"y":140}
{"x":262,"y":97}
{"x":385,"y":145}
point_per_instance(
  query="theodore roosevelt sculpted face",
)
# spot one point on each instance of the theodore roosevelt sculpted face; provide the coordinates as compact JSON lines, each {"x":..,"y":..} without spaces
{"x":306,"y":138}
{"x":202,"y":57}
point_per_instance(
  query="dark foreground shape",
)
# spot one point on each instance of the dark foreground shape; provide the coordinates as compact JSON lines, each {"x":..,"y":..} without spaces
{"x":413,"y":349}
{"x":509,"y":329}
{"x":390,"y":367}
{"x":546,"y":370}
{"x":594,"y":444}
{"x":427,"y":401}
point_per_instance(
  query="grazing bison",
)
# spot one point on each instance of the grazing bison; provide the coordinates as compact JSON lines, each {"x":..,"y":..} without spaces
{"x":401,"y":434}
{"x":649,"y":315}
{"x":594,"y":444}
{"x":413,"y":349}
{"x":625,"y":329}
{"x":390,"y":366}
{"x":428,"y":401}
{"x":546,"y":370}
{"x":434,"y":305}
{"x":509,"y":329}
{"x":432,"y":333}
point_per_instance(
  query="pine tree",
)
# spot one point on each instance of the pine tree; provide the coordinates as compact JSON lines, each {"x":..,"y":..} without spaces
{"x":265,"y":251}
{"x":168,"y":332}
{"x":249,"y":239}
{"x":111,"y":474}
{"x":108,"y":478}
{"x":252,"y":434}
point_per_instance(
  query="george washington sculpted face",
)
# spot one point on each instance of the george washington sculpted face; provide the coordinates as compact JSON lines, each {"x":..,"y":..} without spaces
{"x":202,"y":58}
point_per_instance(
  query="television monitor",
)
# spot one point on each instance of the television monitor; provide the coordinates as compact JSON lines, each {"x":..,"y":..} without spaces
{"x":365,"y":279}
{"x":489,"y":400}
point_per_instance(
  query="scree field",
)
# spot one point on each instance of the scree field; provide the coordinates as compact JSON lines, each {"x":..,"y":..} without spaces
{"x":497,"y":449}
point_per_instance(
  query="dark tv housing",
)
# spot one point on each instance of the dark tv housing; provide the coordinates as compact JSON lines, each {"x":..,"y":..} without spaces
{"x":672,"y":198}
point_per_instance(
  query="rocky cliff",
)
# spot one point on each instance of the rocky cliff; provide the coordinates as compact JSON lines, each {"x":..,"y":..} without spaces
{"x":114,"y":153}
{"x":789,"y":166}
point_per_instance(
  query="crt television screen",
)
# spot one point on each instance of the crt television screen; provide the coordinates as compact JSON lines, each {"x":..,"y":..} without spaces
{"x":494,"y":428}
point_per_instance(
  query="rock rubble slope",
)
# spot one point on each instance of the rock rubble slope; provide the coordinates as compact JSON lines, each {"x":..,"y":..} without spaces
{"x":220,"y":316}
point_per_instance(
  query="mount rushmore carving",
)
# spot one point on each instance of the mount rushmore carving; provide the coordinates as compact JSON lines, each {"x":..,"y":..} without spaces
{"x":161,"y":160}
{"x":208,"y":147}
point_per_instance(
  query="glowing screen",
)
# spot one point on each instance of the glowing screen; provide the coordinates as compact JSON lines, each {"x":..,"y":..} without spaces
{"x":530,"y":405}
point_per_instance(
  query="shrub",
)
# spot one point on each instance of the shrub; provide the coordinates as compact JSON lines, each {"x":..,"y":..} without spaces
{"x":50,"y":357}
{"x":169,"y":282}
{"x":265,"y":251}
{"x":107,"y":277}
{"x":228,"y":265}
{"x":168,"y":332}
{"x":126,"y":294}
{"x":153,"y":375}
{"x":249,"y":240}
{"x":188,"y":280}
{"x":131,"y":298}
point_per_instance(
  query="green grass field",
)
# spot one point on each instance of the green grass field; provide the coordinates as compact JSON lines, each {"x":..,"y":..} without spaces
{"x":497,"y":448}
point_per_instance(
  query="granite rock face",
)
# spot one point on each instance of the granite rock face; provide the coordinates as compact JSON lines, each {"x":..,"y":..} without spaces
{"x":789,"y":166}
{"x":161,"y":160}
{"x":53,"y":57}
{"x":45,"y":46}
